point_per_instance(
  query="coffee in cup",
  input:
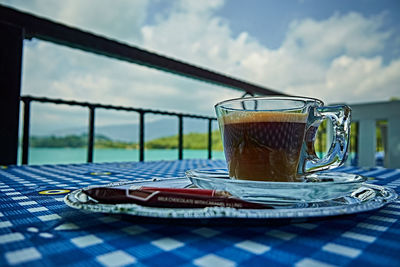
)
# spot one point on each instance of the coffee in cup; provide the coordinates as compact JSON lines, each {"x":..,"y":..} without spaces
{"x":267,"y":142}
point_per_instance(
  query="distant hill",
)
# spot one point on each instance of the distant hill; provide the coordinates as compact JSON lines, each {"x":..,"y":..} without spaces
{"x":190,"y":141}
{"x":130,"y":132}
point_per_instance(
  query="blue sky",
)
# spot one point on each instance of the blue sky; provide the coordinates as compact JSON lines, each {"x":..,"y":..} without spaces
{"x":338,"y":51}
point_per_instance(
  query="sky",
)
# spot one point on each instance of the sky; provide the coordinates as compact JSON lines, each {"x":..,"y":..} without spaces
{"x":338,"y":51}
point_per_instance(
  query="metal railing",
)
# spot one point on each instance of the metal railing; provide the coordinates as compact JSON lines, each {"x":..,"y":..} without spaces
{"x":91,"y":127}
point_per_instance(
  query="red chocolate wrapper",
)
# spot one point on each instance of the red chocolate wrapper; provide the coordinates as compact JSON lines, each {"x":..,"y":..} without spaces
{"x":170,"y":197}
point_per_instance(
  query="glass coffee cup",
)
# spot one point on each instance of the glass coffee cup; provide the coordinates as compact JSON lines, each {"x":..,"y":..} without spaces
{"x":272,"y":138}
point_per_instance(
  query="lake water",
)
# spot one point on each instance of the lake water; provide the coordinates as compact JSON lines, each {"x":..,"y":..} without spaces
{"x":79,"y":155}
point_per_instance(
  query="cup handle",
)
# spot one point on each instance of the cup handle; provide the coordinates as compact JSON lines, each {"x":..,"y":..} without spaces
{"x":340,"y":117}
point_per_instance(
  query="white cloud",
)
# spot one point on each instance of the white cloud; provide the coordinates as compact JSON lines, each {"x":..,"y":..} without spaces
{"x":76,"y":75}
{"x":119,"y":19}
{"x":364,"y":79}
{"x":193,"y":35}
{"x":350,"y":34}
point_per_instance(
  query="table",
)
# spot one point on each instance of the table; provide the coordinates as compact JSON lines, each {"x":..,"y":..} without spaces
{"x":38,"y":229}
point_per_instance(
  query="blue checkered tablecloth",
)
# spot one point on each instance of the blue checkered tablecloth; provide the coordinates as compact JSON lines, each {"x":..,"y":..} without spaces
{"x":38,"y":229}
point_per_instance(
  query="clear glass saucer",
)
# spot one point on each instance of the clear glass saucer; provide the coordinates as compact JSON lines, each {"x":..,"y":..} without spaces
{"x":365,"y":198}
{"x":315,"y":187}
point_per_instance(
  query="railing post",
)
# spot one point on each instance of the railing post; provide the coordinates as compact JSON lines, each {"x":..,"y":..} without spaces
{"x":26,"y":128}
{"x":366,"y":143}
{"x":180,"y":137}
{"x":141,"y":136}
{"x":91,"y":134}
{"x":393,"y":152}
{"x":209,"y":138}
{"x":355,"y":131}
{"x":11,"y":46}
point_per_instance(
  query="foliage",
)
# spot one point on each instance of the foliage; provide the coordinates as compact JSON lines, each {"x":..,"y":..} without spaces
{"x":190,"y":141}
{"x":108,"y":143}
{"x":57,"y":141}
{"x":75,"y":141}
